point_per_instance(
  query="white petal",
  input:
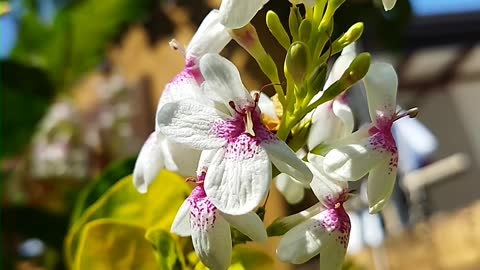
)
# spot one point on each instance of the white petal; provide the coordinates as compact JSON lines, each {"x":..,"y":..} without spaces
{"x":213,"y":244}
{"x":183,"y":86}
{"x":211,"y":37}
{"x":305,"y":240}
{"x":388,"y":4}
{"x":222,"y":80}
{"x":181,"y":224}
{"x":344,"y":112}
{"x":381,"y":84}
{"x":330,"y":121}
{"x":333,"y":254}
{"x":249,"y":224}
{"x":341,"y":65}
{"x":286,"y":161}
{"x":149,"y":163}
{"x":238,"y":178}
{"x":352,"y":161}
{"x":281,"y":225}
{"x":266,"y":105}
{"x":180,"y":158}
{"x":381,"y":182}
{"x":189,"y":123}
{"x":292,"y":190}
{"x":237,"y":13}
{"x":325,"y":187}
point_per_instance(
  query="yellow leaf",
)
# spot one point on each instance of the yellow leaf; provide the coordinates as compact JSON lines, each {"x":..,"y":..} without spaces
{"x":169,"y":252}
{"x":110,"y":244}
{"x":122,"y":202}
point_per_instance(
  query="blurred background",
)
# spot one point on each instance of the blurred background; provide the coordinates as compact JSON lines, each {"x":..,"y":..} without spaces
{"x":80,"y":80}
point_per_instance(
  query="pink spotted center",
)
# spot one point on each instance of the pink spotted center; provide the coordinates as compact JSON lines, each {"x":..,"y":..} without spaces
{"x":241,"y":143}
{"x":203,"y":213}
{"x":335,"y":219}
{"x":382,"y":140}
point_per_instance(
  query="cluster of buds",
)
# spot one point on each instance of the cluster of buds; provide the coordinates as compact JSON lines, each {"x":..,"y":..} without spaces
{"x":206,"y":119}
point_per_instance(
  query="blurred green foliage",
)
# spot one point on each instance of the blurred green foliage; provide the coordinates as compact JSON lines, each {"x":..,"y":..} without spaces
{"x":93,"y":191}
{"x":49,"y":58}
{"x":123,"y":203}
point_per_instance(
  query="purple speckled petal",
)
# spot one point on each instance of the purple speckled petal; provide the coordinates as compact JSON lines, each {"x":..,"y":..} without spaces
{"x":239,"y":176}
{"x":381,"y":181}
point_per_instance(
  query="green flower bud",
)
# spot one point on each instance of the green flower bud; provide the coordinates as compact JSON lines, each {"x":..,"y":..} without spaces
{"x":317,"y":79}
{"x":297,"y":61}
{"x":277,"y":30}
{"x":299,"y":136}
{"x":352,"y":35}
{"x":355,"y":72}
{"x":358,"y":68}
{"x":332,"y":6}
{"x":294,"y":21}
{"x":305,"y":30}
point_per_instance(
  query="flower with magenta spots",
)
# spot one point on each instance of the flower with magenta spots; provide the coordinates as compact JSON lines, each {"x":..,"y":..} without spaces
{"x":210,"y":228}
{"x":228,"y":123}
{"x":371,"y":149}
{"x":158,"y":152}
{"x":323,"y":228}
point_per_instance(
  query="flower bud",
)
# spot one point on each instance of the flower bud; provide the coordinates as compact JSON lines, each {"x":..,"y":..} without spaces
{"x":247,"y":37}
{"x":277,"y":30}
{"x":332,"y":6}
{"x":355,"y":72}
{"x":294,"y":21}
{"x":297,"y":61}
{"x":304,"y":30}
{"x":317,"y":79}
{"x":352,"y":35}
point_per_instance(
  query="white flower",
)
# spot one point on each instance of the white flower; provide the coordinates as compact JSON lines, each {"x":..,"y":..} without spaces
{"x":388,"y":4}
{"x":210,"y":228}
{"x":371,"y":149}
{"x":158,"y":152}
{"x":326,"y":226}
{"x":237,"y":13}
{"x":230,"y":123}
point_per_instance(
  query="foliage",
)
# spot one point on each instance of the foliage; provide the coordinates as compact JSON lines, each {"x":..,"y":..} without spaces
{"x":122,"y":202}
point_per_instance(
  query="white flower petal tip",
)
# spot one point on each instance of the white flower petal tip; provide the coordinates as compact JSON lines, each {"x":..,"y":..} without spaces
{"x":211,"y":37}
{"x":381,"y":83}
{"x":287,"y":162}
{"x":149,"y":163}
{"x":389,"y":4}
{"x":249,"y":224}
{"x":222,"y":80}
{"x":237,"y":13}
{"x":381,"y":182}
{"x":292,"y":190}
{"x":181,"y":224}
{"x":308,"y":3}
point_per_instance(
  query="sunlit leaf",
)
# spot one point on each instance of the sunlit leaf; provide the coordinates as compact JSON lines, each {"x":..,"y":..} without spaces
{"x":168,"y":251}
{"x":246,"y":258}
{"x":111,"y":244}
{"x":111,"y":175}
{"x":122,"y":202}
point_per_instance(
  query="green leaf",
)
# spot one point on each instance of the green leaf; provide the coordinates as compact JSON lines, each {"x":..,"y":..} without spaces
{"x":168,"y":251}
{"x":75,"y":43}
{"x":91,"y":193}
{"x":112,"y":244}
{"x":122,"y":202}
{"x":247,"y":258}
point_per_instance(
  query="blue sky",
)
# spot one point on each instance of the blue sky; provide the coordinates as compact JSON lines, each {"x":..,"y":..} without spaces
{"x":438,"y":7}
